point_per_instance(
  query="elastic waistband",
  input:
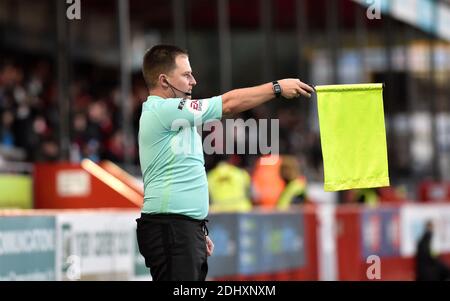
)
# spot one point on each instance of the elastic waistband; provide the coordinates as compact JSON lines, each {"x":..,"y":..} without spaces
{"x":169,"y":216}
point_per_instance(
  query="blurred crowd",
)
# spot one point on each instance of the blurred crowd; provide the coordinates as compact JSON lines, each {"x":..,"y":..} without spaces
{"x":30,"y":117}
{"x":30,"y":127}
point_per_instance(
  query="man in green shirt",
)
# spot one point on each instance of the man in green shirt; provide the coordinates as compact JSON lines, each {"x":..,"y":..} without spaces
{"x":171,"y":232}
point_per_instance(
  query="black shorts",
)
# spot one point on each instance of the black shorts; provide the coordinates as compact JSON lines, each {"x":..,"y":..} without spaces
{"x":174,"y":246}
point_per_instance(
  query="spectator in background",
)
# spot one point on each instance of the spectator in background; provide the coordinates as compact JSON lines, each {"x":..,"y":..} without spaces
{"x":364,"y":196}
{"x":428,"y":267}
{"x":229,"y":188}
{"x":6,"y":129}
{"x":367,"y":196}
{"x":295,"y":190}
{"x":267,"y":182}
{"x":99,"y":129}
{"x":79,"y":126}
{"x":115,"y":151}
{"x":48,"y":151}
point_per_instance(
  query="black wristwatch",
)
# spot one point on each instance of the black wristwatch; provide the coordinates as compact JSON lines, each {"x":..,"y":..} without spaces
{"x":276,"y":88}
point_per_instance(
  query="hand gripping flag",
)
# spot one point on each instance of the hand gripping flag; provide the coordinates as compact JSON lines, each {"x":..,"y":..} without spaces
{"x":353,"y":136}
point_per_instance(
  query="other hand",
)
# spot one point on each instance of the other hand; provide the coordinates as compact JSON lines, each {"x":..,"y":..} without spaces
{"x":209,"y":246}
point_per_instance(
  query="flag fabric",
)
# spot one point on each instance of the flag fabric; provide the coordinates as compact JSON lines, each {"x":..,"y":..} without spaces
{"x":353,"y":136}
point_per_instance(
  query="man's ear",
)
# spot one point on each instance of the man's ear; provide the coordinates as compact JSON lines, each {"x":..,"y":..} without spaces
{"x":163,"y":81}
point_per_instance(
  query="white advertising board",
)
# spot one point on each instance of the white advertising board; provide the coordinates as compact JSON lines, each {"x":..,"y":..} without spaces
{"x":413,"y":219}
{"x":96,"y":245}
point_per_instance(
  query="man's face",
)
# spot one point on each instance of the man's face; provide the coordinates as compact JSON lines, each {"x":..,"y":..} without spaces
{"x":181,"y":77}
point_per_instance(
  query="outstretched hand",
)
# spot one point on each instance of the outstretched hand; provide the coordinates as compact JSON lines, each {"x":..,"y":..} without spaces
{"x":293,"y":87}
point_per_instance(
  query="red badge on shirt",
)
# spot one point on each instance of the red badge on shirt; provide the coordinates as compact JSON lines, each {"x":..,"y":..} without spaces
{"x":196,"y":105}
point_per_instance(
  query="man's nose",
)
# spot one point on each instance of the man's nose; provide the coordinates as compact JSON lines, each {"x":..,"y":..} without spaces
{"x":193,"y":81}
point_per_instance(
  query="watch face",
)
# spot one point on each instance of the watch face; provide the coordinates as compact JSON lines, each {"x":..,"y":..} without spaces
{"x":277,"y":89}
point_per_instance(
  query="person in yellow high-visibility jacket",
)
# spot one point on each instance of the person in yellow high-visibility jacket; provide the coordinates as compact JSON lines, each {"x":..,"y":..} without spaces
{"x":367,"y":196}
{"x":229,"y":188}
{"x":295,"y":189}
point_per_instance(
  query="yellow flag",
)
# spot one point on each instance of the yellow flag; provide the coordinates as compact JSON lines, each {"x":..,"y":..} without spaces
{"x":353,"y":136}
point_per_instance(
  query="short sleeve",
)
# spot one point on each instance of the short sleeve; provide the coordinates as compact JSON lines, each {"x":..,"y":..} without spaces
{"x":176,"y":112}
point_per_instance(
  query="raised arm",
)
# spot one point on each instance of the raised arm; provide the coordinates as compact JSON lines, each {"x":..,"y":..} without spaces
{"x":239,"y":100}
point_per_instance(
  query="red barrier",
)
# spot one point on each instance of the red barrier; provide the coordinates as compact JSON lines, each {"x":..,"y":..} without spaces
{"x":351,"y":263}
{"x":430,"y":191}
{"x":85,"y":185}
{"x":348,"y":242}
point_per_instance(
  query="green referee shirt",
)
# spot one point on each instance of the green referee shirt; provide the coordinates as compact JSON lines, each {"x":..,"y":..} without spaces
{"x":171,"y":154}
